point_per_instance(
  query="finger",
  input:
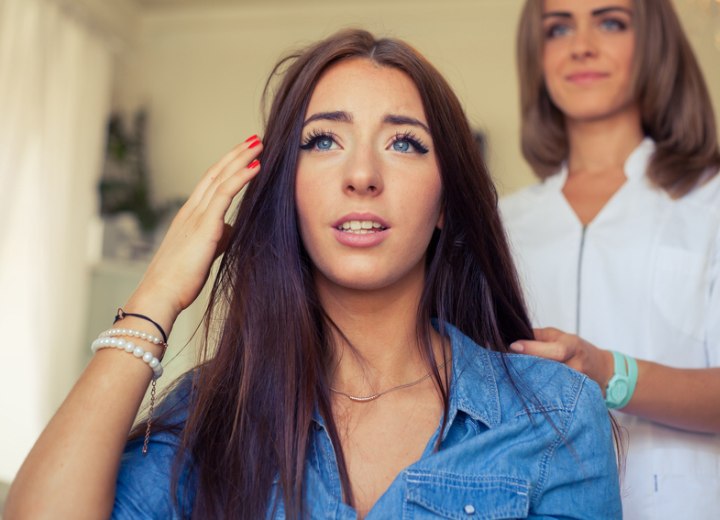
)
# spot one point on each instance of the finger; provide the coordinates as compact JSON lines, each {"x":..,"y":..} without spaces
{"x":243,"y":160}
{"x":237,"y":150}
{"x":548,"y":350}
{"x":224,"y":195}
{"x":547,"y":334}
{"x":216,"y":169}
{"x":245,"y":166}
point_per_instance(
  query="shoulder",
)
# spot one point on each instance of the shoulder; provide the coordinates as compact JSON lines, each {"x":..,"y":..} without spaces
{"x":706,"y":195}
{"x":546,"y":386}
{"x":513,"y":203}
{"x":540,"y":424}
{"x":524,"y":384}
{"x":525,"y":206}
{"x":692,"y":222}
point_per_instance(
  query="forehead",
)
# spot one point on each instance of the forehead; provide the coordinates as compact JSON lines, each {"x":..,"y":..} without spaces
{"x":359,"y":85}
{"x":583,"y":6}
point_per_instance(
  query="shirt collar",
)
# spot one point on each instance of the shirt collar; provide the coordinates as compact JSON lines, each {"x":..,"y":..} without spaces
{"x":637,"y":161}
{"x":473,"y":388}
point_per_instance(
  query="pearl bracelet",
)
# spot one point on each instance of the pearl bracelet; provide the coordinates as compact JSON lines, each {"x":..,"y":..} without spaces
{"x":135,"y":334}
{"x":128,"y":346}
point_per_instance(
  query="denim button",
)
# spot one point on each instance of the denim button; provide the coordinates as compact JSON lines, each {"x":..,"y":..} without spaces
{"x":469,"y":509}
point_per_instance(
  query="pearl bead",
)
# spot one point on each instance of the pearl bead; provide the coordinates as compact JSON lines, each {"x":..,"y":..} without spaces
{"x":108,"y":339}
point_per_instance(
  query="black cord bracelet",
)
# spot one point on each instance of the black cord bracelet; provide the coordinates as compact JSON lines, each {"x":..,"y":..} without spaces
{"x":121,"y":314}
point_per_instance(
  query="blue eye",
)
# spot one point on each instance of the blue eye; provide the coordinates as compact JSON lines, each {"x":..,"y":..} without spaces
{"x":323,"y":143}
{"x":613,"y":25}
{"x":557,"y":30}
{"x":408,"y":143}
{"x":320,"y":141}
{"x":401,"y":146}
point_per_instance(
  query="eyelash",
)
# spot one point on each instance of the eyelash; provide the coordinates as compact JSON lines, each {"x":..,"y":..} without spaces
{"x":618,"y":26}
{"x":413,"y":139}
{"x":550,"y":30}
{"x":309,"y":142}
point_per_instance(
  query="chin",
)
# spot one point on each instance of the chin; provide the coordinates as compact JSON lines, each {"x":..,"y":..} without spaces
{"x":365,"y":282}
{"x":367,"y":279}
{"x":591,"y":109}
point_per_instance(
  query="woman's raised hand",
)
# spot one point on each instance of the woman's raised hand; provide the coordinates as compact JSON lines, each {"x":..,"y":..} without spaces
{"x":196,"y":237}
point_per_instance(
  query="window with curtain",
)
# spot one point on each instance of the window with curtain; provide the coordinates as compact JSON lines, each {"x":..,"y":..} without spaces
{"x":55,"y":74}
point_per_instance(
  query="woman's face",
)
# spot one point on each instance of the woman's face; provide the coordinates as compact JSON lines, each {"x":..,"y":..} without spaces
{"x":588,"y":56}
{"x":368,"y":186}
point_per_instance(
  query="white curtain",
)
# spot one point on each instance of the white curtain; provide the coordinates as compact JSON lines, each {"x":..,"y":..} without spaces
{"x":54,"y":96}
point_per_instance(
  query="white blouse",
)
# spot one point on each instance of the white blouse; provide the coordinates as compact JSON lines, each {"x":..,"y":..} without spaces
{"x":642,"y":278}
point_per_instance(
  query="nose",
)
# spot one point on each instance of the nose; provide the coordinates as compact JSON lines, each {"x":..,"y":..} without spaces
{"x":363,"y":174}
{"x":583,"y":44}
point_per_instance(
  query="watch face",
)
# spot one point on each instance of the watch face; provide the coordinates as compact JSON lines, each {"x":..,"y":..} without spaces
{"x":618,"y":390}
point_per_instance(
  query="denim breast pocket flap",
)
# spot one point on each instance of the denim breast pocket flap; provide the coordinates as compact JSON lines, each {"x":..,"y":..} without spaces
{"x":476,"y":497}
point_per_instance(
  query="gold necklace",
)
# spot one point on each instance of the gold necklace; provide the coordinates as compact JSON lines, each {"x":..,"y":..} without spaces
{"x":372,"y":397}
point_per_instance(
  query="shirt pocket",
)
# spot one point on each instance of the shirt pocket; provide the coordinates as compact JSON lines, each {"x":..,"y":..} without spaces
{"x":476,"y":497}
{"x":680,"y":284}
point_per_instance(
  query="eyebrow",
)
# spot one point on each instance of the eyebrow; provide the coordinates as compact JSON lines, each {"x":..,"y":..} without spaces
{"x":595,"y":12}
{"x":339,"y":116}
{"x":344,"y":117}
{"x":405,"y":120}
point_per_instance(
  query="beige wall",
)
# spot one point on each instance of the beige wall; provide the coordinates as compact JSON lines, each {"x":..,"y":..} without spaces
{"x":200,"y":70}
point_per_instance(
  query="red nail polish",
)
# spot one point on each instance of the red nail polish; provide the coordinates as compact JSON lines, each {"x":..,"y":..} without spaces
{"x":251,"y":138}
{"x":254,"y":144}
{"x":253,"y":164}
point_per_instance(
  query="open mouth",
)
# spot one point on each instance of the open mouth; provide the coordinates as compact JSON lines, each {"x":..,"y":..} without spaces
{"x":361,"y":227}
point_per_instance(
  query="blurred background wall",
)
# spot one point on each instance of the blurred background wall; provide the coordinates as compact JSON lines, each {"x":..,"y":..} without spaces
{"x":197,"y":69}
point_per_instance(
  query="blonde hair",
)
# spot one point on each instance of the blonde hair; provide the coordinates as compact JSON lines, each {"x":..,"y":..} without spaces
{"x":669,"y":87}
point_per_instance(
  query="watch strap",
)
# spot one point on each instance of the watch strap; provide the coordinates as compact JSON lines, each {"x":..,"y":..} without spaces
{"x":622,"y":382}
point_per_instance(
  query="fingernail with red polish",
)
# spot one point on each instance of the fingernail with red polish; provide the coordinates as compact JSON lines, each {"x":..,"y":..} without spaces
{"x":251,"y":138}
{"x":253,"y":164}
{"x":254,"y":144}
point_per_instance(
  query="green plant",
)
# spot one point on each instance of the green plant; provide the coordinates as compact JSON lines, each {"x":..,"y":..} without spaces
{"x":125,"y":183}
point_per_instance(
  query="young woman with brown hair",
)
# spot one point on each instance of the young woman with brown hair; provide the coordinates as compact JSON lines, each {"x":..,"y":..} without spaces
{"x":364,"y":267}
{"x":619,"y":246}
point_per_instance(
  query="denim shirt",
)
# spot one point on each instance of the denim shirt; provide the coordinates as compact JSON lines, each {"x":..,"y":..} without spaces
{"x":551,"y":456}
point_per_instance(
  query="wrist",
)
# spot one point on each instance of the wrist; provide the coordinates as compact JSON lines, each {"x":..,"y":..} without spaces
{"x":621,"y":386}
{"x":155,"y":308}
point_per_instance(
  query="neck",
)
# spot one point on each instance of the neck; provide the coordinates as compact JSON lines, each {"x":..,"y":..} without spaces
{"x":603,"y":145}
{"x":376,"y":346}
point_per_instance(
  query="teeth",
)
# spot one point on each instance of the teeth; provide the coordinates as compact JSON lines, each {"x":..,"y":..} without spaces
{"x":361,"y":227}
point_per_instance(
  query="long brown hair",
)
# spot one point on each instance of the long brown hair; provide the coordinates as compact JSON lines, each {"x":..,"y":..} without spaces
{"x":669,"y":87}
{"x":251,"y":409}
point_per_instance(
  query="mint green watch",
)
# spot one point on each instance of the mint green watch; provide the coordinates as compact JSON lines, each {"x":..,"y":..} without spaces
{"x":621,"y":386}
